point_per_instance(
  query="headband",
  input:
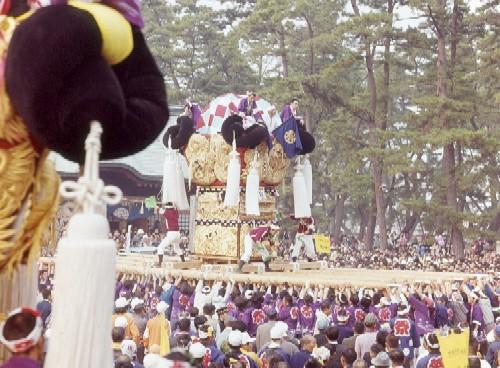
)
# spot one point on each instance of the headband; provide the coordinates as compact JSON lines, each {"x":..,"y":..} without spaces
{"x":4,"y":7}
{"x":432,"y":346}
{"x":25,"y":343}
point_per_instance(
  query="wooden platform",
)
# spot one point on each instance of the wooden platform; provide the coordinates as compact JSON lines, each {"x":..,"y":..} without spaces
{"x":145,"y":264}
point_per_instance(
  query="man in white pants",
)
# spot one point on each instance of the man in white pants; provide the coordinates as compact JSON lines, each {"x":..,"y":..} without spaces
{"x":304,"y":238}
{"x":258,"y":237}
{"x":173,"y":236}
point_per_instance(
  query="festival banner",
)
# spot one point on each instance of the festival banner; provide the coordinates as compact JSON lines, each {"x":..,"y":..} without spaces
{"x":150,"y":202}
{"x":322,"y":243}
{"x":454,"y":349}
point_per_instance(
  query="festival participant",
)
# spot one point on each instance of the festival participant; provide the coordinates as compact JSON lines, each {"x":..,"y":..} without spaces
{"x":307,"y":345}
{"x":289,"y":313}
{"x":44,"y":307}
{"x":22,"y":334}
{"x":158,"y":330}
{"x":433,"y":359}
{"x":307,"y":310}
{"x":290,"y":110}
{"x":204,"y":294}
{"x":183,"y":330}
{"x":213,"y":356}
{"x":131,"y":330}
{"x":278,"y":332}
{"x":404,"y":328}
{"x":173,"y":236}
{"x":304,"y":238}
{"x":262,"y":239}
{"x":257,"y":314}
{"x":235,"y":341}
{"x":369,"y":337}
{"x":263,"y":335}
{"x":246,"y":348}
{"x":242,"y":311}
{"x":247,"y":105}
{"x":344,"y":330}
{"x":193,"y":111}
{"x":182,"y":299}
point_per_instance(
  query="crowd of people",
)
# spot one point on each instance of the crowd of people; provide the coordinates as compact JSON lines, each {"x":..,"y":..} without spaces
{"x":165,"y":322}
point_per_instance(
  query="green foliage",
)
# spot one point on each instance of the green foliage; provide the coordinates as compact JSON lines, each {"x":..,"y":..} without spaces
{"x":315,"y":50}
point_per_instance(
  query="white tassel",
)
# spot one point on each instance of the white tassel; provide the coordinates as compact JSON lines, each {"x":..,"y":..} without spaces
{"x":300,"y":200}
{"x":181,"y":202}
{"x":169,"y":178}
{"x":307,"y":171}
{"x":252,"y":190}
{"x":232,"y":197}
{"x":85,"y":272}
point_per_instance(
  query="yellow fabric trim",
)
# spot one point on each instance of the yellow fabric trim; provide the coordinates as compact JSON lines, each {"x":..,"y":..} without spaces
{"x":116,"y":31}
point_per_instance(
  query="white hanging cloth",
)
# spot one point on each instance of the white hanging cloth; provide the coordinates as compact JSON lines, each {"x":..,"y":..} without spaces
{"x":300,"y":198}
{"x":232,"y":197}
{"x":252,"y":190}
{"x":307,"y":171}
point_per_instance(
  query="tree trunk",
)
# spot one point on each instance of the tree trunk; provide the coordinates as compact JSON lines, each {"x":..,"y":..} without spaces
{"x":363,"y":222}
{"x":370,"y":228}
{"x":376,"y":161}
{"x":339,"y":217}
{"x":282,"y":51}
{"x":448,"y":162}
{"x":411,"y":224}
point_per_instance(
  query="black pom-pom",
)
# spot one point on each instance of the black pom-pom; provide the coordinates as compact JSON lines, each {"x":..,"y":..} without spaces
{"x":60,"y":87}
{"x":179,"y":134}
{"x":233,"y":123}
{"x":253,"y":136}
{"x":307,"y":140}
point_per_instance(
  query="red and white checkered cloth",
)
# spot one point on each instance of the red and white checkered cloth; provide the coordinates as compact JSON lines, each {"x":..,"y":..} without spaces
{"x":223,"y":106}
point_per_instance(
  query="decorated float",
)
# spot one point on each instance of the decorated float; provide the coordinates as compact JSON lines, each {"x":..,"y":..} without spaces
{"x":237,"y":157}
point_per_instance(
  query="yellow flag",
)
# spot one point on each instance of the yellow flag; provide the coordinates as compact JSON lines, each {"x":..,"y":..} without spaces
{"x":454,"y":349}
{"x":322,"y":243}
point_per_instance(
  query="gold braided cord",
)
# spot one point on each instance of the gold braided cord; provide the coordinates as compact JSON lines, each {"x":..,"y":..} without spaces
{"x":28,"y":183}
{"x":12,"y":128}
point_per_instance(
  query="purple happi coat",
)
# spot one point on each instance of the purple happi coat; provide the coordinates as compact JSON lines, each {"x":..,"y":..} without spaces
{"x":180,"y":303}
{"x":307,"y":317}
{"x":257,"y":317}
{"x":421,"y":315}
{"x":242,"y":315}
{"x":405,"y":330}
{"x":289,"y":315}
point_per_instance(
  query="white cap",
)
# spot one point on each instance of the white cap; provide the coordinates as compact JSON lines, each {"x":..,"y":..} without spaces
{"x":129,"y":348}
{"x":384,"y":301}
{"x":322,"y":353}
{"x":246,"y":339}
{"x":235,"y":338}
{"x":121,"y":321}
{"x":248,"y":294}
{"x":135,"y":302}
{"x":206,"y":289}
{"x":161,"y":307}
{"x":121,"y":302}
{"x":197,"y":350}
{"x":140,"y":231}
{"x":151,"y":360}
{"x":278,"y":331}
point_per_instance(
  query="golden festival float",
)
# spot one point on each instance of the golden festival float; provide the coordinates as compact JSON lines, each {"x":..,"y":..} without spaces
{"x":237,"y":166}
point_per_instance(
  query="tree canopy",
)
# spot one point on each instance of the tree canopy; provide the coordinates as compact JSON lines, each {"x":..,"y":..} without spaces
{"x":403,"y":98}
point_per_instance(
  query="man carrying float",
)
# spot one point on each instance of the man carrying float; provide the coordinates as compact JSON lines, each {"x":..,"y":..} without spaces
{"x":262,"y":238}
